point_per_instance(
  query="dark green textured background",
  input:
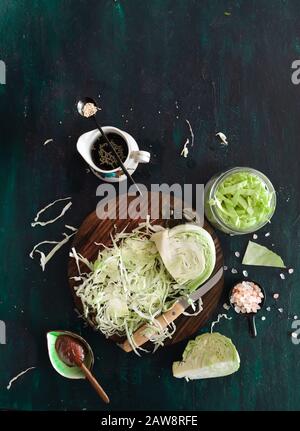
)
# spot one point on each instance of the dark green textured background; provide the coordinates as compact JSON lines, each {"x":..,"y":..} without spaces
{"x":229,"y":73}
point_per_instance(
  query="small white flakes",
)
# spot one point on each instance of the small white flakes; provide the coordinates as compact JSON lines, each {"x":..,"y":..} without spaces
{"x":255,"y":236}
{"x":222,"y":138}
{"x":268,"y":308}
{"x":237,"y":254}
{"x":263,"y":318}
{"x":245,"y":273}
{"x":291,"y":271}
{"x":226,"y":306}
{"x":234,"y":271}
{"x":282,"y":276}
{"x":280,"y":310}
{"x":276,"y":295}
{"x":225,"y":268}
{"x":267,"y":234}
{"x":295,"y":317}
{"x":185,"y":150}
{"x":48,"y":141}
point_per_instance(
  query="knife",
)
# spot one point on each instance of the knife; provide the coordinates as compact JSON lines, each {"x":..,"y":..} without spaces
{"x":142,"y":335}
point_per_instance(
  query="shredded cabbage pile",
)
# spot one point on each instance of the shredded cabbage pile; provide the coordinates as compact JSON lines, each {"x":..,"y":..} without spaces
{"x":242,"y":201}
{"x":128,"y":286}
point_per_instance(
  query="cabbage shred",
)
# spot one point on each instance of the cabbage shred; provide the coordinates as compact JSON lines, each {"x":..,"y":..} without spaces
{"x":128,"y":286}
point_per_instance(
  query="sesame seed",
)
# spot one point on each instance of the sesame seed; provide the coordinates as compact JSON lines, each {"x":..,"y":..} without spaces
{"x":267,"y":234}
{"x":280,"y":310}
{"x":268,"y":308}
{"x":237,"y":254}
{"x":234,"y":271}
{"x":255,"y":236}
{"x":276,"y":295}
{"x":245,"y":273}
{"x":294,"y":334}
{"x":225,"y":267}
{"x":295,"y":317}
{"x":291,"y":271}
{"x":263,"y":318}
{"x":226,"y":306}
{"x":282,"y":276}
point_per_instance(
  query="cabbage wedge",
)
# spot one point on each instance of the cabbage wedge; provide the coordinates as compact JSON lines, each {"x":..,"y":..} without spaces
{"x":208,"y":356}
{"x":188,"y":252}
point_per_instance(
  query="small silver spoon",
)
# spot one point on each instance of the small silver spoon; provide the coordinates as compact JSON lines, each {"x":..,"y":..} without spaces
{"x":81,"y":104}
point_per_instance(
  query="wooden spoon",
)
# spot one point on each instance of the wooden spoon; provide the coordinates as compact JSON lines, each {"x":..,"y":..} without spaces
{"x":72,"y":353}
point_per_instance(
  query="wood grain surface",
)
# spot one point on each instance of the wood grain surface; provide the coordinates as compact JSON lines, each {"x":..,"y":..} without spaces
{"x":94,"y":230}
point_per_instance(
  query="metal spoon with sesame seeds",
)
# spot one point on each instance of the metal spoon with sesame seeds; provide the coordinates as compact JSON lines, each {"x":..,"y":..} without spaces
{"x":88,"y":108}
{"x":250,"y":316}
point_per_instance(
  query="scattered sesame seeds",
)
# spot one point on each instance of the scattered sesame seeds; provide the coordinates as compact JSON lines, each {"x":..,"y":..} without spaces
{"x":245,"y":273}
{"x":268,"y":308}
{"x":291,"y":271}
{"x":276,"y":295}
{"x":282,"y":276}
{"x":280,"y":310}
{"x":255,"y":236}
{"x":263,"y":318}
{"x":237,"y":254}
{"x":267,"y":234}
{"x":234,"y":271}
{"x":225,"y":267}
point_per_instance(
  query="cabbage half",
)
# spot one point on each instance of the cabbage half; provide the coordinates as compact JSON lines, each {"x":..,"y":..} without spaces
{"x":209,"y":355}
{"x":188,"y":252}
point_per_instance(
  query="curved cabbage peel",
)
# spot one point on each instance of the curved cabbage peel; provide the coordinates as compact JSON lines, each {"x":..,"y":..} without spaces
{"x":208,"y":356}
{"x":188,"y":252}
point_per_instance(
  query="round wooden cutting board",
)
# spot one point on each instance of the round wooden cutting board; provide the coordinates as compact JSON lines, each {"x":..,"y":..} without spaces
{"x":95,"y":229}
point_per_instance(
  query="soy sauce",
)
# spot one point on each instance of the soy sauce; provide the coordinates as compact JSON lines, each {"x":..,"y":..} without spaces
{"x":102,"y":155}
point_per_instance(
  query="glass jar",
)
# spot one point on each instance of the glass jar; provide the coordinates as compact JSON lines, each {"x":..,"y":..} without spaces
{"x":210,"y":193}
